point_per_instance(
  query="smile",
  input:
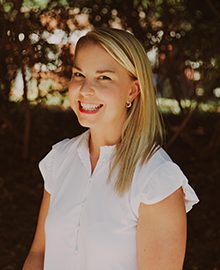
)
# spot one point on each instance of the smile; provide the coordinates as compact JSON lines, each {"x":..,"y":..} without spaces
{"x":89,"y":107}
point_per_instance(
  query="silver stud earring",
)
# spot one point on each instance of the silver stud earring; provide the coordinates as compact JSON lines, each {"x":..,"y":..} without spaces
{"x":128,"y":104}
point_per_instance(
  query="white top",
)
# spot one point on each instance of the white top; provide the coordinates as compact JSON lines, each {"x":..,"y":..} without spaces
{"x":89,"y":227}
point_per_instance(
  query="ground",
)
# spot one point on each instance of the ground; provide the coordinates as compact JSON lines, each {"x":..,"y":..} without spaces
{"x":21,"y":184}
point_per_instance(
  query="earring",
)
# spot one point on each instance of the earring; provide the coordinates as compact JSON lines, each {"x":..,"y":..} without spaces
{"x":128,"y":104}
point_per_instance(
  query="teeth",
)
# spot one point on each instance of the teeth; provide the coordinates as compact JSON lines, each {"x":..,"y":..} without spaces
{"x":89,"y":107}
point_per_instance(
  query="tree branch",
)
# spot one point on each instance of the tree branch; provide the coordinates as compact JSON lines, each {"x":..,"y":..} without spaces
{"x":213,"y":9}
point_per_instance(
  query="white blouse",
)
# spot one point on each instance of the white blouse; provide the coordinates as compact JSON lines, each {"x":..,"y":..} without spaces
{"x":89,"y":227}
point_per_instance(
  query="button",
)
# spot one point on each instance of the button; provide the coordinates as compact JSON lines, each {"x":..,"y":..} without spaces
{"x":77,"y":238}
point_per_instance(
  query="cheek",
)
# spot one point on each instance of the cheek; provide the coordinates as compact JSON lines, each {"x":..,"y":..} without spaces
{"x":117,"y":103}
{"x":72,"y":94}
{"x":116,"y":97}
{"x":72,"y":89}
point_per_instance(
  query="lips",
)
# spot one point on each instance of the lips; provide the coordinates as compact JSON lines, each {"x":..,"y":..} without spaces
{"x":89,"y":107}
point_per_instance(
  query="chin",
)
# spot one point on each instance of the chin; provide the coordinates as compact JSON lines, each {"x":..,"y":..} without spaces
{"x":86,"y":123}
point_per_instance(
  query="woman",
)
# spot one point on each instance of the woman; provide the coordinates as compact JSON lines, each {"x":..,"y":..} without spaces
{"x":113,"y":198}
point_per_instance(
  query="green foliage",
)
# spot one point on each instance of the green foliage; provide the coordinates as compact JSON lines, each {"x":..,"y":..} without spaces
{"x":36,"y":4}
{"x":7,"y":7}
{"x":43,"y":4}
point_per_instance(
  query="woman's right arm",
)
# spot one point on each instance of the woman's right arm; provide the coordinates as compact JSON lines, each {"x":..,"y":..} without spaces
{"x":35,"y":258}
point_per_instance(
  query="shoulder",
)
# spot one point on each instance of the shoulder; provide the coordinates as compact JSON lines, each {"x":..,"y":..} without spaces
{"x":61,"y":150}
{"x":68,"y":145}
{"x":159,"y":171}
{"x":158,"y":178}
{"x":150,"y":171}
{"x":157,"y":160}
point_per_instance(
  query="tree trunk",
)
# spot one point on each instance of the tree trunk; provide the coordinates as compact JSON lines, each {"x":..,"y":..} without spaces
{"x":27,"y":117}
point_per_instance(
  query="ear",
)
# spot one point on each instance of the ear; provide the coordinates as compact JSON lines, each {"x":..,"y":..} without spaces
{"x":134,"y":91}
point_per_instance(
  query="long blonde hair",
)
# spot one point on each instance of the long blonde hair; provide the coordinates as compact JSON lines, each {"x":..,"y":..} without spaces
{"x":142,"y":132}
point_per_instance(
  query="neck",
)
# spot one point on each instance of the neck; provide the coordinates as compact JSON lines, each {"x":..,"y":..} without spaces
{"x":105,"y":135}
{"x":98,"y":139}
{"x":103,"y":138}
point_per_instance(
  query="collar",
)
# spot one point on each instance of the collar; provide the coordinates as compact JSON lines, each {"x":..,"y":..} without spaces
{"x":84,"y":145}
{"x":106,"y":152}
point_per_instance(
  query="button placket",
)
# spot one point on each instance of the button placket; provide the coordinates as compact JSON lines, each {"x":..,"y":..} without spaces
{"x":82,"y":207}
{"x":77,"y":239}
{"x":103,"y":159}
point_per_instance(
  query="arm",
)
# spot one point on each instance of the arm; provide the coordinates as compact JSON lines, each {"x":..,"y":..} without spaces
{"x":35,"y":258}
{"x":161,"y":234}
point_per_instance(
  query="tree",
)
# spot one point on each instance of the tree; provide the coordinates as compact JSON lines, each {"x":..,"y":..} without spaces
{"x":22,"y":46}
{"x":185,"y":34}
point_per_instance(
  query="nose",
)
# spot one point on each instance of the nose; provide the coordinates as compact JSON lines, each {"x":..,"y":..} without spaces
{"x":86,"y":88}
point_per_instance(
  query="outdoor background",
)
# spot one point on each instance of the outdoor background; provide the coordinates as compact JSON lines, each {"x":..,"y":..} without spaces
{"x":37,"y":40}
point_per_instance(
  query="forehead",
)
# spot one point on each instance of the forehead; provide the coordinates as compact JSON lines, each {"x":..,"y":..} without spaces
{"x":93,"y":54}
{"x":89,"y":49}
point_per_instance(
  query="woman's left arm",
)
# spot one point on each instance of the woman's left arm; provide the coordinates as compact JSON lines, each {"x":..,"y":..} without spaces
{"x":161,"y":234}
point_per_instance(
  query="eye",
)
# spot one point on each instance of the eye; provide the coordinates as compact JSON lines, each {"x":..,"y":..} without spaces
{"x":103,"y":77}
{"x":77,"y":74}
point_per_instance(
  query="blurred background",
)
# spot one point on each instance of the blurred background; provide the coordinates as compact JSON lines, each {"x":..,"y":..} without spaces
{"x":37,"y":41}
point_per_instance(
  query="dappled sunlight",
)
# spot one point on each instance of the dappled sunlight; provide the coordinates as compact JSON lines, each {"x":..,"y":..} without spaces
{"x":37,"y":48}
{"x":48,"y":50}
{"x":168,"y":105}
{"x":217,"y":92}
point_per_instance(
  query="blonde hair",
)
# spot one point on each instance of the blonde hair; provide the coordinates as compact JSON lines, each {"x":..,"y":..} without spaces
{"x":142,"y":132}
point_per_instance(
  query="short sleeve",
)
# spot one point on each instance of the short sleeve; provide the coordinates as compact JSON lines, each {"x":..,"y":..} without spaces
{"x":46,"y":165}
{"x":163,"y":182}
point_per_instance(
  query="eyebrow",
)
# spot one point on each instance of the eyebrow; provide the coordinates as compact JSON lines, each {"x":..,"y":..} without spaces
{"x":98,"y":71}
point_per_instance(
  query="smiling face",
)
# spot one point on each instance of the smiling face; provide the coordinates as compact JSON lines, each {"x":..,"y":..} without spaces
{"x":100,"y":88}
